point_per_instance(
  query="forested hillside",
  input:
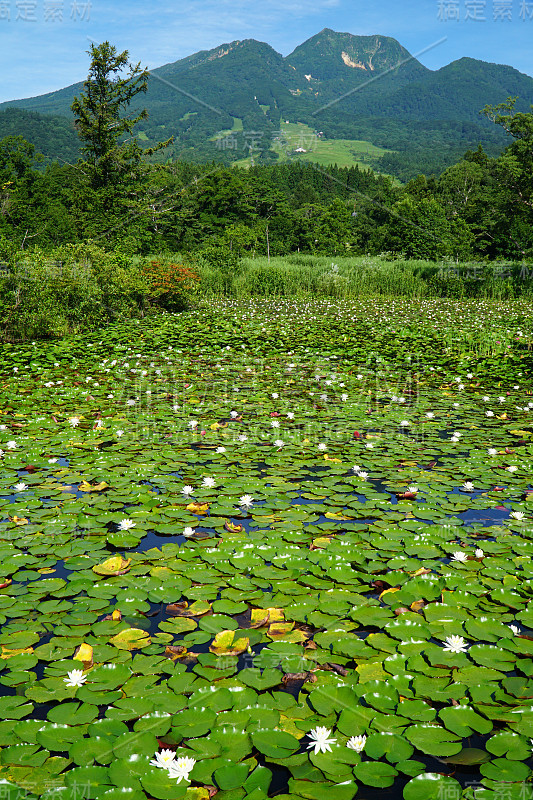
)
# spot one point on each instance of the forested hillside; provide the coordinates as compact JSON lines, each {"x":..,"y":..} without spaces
{"x":245,"y":90}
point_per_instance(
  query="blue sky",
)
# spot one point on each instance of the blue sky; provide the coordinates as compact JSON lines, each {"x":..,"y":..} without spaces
{"x":43,"y":43}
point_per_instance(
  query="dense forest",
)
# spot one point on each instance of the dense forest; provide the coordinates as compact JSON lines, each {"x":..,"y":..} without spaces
{"x":481,"y":206}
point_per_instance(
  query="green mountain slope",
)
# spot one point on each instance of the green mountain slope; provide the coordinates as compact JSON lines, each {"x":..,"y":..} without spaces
{"x":350,"y":87}
{"x":53,"y":136}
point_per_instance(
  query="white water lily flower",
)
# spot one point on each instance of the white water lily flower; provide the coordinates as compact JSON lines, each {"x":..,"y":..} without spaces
{"x":130,"y":402}
{"x":322,"y":446}
{"x":193,"y":424}
{"x":208,"y":483}
{"x":479,"y":553}
{"x":369,"y":446}
{"x":279,"y":443}
{"x":246,"y":501}
{"x":243,"y":437}
{"x":75,"y":678}
{"x":320,"y":740}
{"x":187,"y":532}
{"x":19,"y":487}
{"x":163,"y":759}
{"x":180,"y":768}
{"x":126,"y":524}
{"x":430,"y":414}
{"x":221,"y":450}
{"x":455,"y":644}
{"x":404,"y":423}
{"x":356,"y":468}
{"x":275,"y":395}
{"x":11,"y":445}
{"x":518,"y":515}
{"x":492,"y":451}
{"x":489,"y":413}
{"x":234,"y":414}
{"x":412,"y":489}
{"x":274,"y":423}
{"x":187,"y":490}
{"x":290,"y":415}
{"x":119,"y":433}
{"x":356,"y":743}
{"x":512,"y":469}
{"x":362,"y":475}
{"x":459,"y":556}
{"x":344,"y":397}
{"x":74,"y":421}
{"x":515,"y":630}
{"x":52,"y":460}
{"x":468,"y":486}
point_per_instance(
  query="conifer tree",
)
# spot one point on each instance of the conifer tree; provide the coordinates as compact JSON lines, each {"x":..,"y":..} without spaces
{"x":98,"y":111}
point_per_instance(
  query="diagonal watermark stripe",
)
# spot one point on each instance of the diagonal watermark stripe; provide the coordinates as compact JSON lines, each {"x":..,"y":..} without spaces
{"x":187,"y":94}
{"x":381,"y":74}
{"x":376,"y":203}
{"x":176,"y":88}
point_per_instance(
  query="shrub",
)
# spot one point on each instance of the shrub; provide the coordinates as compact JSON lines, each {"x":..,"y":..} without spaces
{"x":170,"y":286}
{"x":72,"y":288}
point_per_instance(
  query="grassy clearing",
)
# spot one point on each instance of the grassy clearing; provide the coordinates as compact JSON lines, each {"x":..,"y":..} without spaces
{"x":237,"y":126}
{"x":343,"y":152}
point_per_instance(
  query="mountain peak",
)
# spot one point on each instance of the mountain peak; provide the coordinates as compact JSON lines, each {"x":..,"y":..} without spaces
{"x":332,"y":54}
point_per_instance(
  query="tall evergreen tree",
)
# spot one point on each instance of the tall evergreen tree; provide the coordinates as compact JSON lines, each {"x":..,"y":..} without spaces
{"x":99,"y":121}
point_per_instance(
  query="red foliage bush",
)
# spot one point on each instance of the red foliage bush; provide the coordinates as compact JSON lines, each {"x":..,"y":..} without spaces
{"x":171,"y":285}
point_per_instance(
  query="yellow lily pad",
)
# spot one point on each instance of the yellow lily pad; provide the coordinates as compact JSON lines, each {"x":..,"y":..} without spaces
{"x":84,"y":653}
{"x":131,"y":639}
{"x":85,"y":486}
{"x":262,"y":616}
{"x":283,"y":631}
{"x":321,"y":542}
{"x":17,"y":651}
{"x":225,"y":644}
{"x":116,"y":565}
{"x":198,"y":508}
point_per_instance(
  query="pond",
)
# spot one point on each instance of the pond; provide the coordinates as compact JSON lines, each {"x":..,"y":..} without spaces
{"x":270,"y":550}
